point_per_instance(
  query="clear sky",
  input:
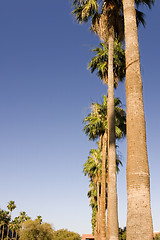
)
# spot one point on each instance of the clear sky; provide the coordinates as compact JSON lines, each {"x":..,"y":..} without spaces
{"x":45,"y":92}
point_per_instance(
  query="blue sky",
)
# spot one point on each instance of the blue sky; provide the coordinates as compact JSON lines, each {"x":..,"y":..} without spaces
{"x":45,"y":92}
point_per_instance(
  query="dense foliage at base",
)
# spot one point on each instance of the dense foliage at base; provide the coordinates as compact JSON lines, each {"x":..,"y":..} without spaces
{"x":24,"y":228}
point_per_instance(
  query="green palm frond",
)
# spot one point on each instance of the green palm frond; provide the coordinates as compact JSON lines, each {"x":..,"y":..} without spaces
{"x":93,"y":166}
{"x":96,"y":121}
{"x":84,"y":10}
{"x":140,"y":17}
{"x":99,"y":62}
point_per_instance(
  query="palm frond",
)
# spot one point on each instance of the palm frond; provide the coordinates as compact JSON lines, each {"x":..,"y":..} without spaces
{"x":140,"y":17}
{"x":148,"y":3}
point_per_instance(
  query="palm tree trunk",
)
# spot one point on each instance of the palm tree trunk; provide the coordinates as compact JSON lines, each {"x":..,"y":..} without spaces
{"x":16,"y":235}
{"x":112,"y":213}
{"x":2,"y":232}
{"x":7,"y":231}
{"x":99,"y":215}
{"x":139,"y":219}
{"x":12,"y":233}
{"x":103,"y":188}
{"x":98,"y":211}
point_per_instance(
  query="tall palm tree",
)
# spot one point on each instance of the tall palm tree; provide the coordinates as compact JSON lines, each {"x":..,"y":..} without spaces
{"x":17,"y":226}
{"x":107,"y":22}
{"x":11,"y":206}
{"x":93,"y":168}
{"x":96,"y":126}
{"x":100,"y":62}
{"x":4,"y":222}
{"x":104,"y":23}
{"x":139,"y":219}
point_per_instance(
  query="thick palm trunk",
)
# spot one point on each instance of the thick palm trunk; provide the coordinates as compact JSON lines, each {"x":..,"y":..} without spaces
{"x":139,"y":219}
{"x":103,"y":188}
{"x":112,"y":214}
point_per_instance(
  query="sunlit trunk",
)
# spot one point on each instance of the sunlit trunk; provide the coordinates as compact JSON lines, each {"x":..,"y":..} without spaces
{"x":112,"y":213}
{"x":139,"y":219}
{"x":103,"y":189}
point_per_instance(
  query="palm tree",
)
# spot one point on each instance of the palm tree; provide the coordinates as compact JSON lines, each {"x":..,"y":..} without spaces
{"x":100,"y":62}
{"x":11,"y":206}
{"x":107,"y":22}
{"x":16,"y":226}
{"x":139,"y":219}
{"x":104,"y":24}
{"x":4,"y":221}
{"x":96,"y":127}
{"x":93,"y":168}
{"x":23,"y":217}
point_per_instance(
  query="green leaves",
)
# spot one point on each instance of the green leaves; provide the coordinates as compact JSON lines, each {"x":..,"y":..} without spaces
{"x":99,"y":62}
{"x":84,"y":10}
{"x":11,"y":206}
{"x":96,"y":121}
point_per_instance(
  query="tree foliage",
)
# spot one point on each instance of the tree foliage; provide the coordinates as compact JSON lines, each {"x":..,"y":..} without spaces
{"x":65,"y":234}
{"x":157,"y":236}
{"x":35,"y":230}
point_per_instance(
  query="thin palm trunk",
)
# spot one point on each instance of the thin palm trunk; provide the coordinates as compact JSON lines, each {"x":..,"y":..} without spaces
{"x":2,"y":232}
{"x":97,"y":215}
{"x":7,"y":231}
{"x":12,"y":233}
{"x":100,"y":202}
{"x":139,"y":219}
{"x":112,"y":213}
{"x":16,"y":235}
{"x":103,"y":188}
{"x":98,"y":212}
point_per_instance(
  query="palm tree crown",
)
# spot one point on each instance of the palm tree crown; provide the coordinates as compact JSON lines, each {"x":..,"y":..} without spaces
{"x":96,"y":121}
{"x":99,"y":62}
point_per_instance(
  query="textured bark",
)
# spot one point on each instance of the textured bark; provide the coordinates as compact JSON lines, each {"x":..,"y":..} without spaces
{"x":112,"y":213}
{"x":139,"y":219}
{"x":103,"y":189}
